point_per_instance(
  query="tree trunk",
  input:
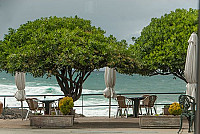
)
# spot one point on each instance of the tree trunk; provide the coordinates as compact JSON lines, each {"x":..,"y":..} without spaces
{"x":71,"y":82}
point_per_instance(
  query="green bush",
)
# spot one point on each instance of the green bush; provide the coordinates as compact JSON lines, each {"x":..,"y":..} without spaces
{"x":66,"y":104}
{"x":175,"y":109}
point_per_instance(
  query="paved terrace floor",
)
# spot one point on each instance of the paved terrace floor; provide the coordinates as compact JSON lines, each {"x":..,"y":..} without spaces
{"x":86,"y":125}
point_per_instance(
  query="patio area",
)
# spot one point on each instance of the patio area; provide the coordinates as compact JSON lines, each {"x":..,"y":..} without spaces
{"x":86,"y":125}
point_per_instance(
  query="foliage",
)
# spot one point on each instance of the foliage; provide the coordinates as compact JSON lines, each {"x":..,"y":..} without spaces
{"x":162,"y":46}
{"x":175,"y":109}
{"x":66,"y":104}
{"x":68,"y":48}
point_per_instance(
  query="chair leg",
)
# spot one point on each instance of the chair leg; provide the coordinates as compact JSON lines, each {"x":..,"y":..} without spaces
{"x":125,"y":110}
{"x":119,"y":112}
{"x":192,"y":121}
{"x":155,"y":110}
{"x":27,"y":115}
{"x":146,"y":110}
{"x":140,"y":110}
{"x":181,"y":123}
{"x":55,"y":109}
{"x":190,"y":124}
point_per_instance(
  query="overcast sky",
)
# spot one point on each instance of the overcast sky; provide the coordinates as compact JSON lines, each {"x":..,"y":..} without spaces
{"x":121,"y":18}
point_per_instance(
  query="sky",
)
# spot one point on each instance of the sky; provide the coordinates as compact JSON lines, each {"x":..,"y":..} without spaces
{"x":121,"y":18}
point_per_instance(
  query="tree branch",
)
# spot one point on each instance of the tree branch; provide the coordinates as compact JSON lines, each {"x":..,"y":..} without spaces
{"x":78,"y":74}
{"x":78,"y":88}
{"x":86,"y":76}
{"x":61,"y":85}
{"x":159,"y":73}
{"x":181,"y":77}
{"x":176,"y":73}
{"x":74,"y":72}
{"x":65,"y":78}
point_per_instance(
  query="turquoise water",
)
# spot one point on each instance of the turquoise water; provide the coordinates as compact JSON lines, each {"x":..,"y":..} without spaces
{"x":95,"y":85}
{"x":137,"y":83}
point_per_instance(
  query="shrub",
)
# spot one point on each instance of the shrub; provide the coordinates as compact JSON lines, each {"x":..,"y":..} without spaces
{"x":66,"y":104}
{"x":175,"y":109}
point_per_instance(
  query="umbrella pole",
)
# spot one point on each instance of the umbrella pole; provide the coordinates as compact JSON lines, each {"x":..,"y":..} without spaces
{"x":22,"y":109}
{"x":197,"y":113}
{"x":109,"y":106}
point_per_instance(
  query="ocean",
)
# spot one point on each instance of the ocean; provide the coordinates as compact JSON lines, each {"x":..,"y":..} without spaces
{"x":95,"y":85}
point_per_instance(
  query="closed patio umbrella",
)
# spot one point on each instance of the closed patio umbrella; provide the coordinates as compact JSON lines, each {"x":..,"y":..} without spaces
{"x":20,"y":95}
{"x":110,"y":79}
{"x":191,"y":66}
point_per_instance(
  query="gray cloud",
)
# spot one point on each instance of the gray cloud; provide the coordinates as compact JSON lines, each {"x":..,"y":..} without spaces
{"x":121,"y":18}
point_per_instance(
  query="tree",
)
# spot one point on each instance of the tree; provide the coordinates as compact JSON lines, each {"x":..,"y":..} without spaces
{"x":162,"y":46}
{"x":68,"y":48}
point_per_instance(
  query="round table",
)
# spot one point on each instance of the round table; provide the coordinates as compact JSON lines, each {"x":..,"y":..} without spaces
{"x":47,"y":103}
{"x":136,"y":101}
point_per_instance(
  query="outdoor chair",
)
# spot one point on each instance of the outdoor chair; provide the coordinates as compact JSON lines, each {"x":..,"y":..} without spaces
{"x":1,"y":107}
{"x":144,"y":103}
{"x":148,"y":104}
{"x":122,"y":105}
{"x":187,"y":104}
{"x":55,"y":106}
{"x":33,"y":105}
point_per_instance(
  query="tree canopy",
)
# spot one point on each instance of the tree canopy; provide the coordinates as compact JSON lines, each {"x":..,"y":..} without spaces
{"x":162,"y":46}
{"x":68,"y":48}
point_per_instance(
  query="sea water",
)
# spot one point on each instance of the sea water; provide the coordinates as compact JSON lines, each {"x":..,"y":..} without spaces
{"x":95,"y":85}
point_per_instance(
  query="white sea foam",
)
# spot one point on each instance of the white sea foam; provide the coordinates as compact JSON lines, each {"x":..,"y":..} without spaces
{"x":87,"y":91}
{"x":94,"y":85}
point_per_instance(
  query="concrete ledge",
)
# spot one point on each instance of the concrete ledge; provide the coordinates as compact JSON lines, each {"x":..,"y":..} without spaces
{"x":161,"y":121}
{"x":52,"y":121}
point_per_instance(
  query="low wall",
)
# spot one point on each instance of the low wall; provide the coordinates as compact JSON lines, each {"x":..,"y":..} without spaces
{"x":57,"y":121}
{"x":161,"y":121}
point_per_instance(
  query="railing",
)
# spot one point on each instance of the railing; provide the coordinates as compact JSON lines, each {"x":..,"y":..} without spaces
{"x":82,"y":96}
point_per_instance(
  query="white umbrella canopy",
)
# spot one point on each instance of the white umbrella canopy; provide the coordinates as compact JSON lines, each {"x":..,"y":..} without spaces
{"x":191,"y":66}
{"x":20,"y":95}
{"x":20,"y":83}
{"x":110,"y":79}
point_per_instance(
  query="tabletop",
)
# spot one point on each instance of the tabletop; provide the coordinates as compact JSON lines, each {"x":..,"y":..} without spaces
{"x":47,"y":101}
{"x":134,"y":98}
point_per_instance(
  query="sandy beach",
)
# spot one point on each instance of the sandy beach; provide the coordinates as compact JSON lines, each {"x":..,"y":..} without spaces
{"x":86,"y":125}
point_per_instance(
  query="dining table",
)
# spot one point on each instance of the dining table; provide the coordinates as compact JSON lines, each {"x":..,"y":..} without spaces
{"x":135,"y":105}
{"x":47,"y":105}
